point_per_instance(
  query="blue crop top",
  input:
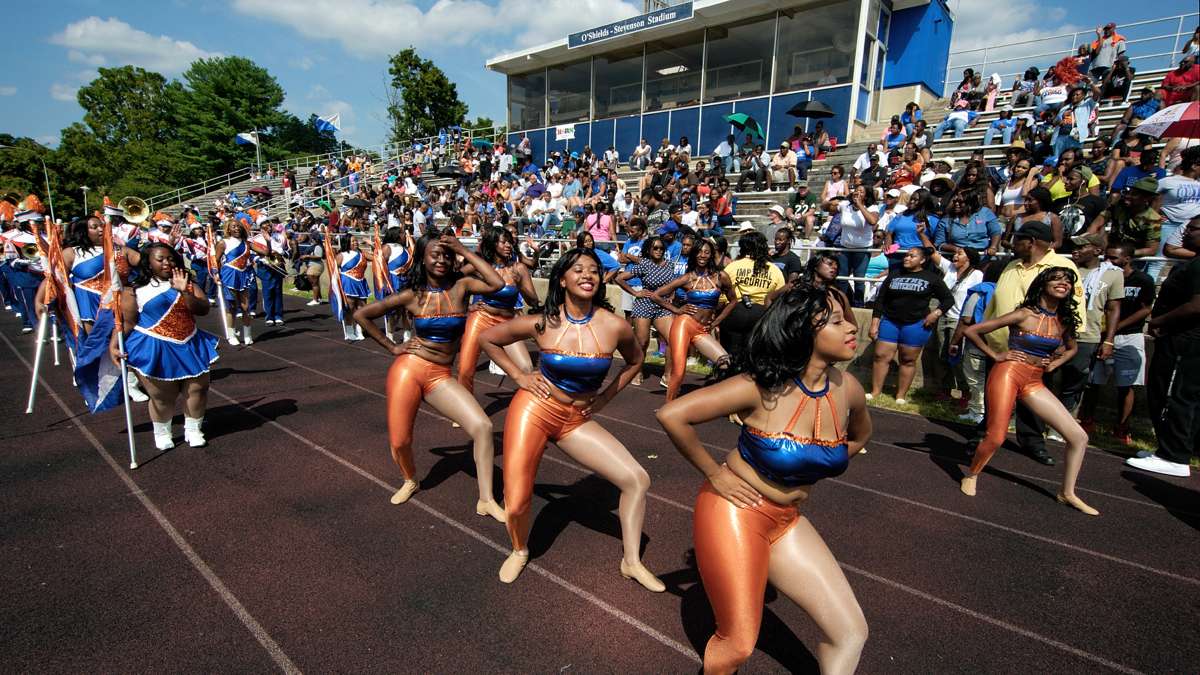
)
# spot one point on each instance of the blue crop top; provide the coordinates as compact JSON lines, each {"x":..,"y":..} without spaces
{"x":790,"y":460}
{"x":704,"y":293}
{"x":1041,"y":341}
{"x":575,"y":372}
{"x":439,"y":325}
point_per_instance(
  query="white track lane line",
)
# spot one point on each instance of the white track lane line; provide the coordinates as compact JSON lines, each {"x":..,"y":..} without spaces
{"x":256,"y":629}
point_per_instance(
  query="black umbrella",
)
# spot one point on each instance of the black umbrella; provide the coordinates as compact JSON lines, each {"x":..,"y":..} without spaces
{"x":813,"y":109}
{"x":355,"y":202}
{"x":451,"y":171}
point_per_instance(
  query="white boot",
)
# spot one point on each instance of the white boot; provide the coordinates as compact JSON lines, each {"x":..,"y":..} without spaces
{"x":247,"y":339}
{"x":162,"y":436}
{"x":135,"y":392}
{"x":347,"y":333}
{"x":231,"y":331}
{"x":358,"y":332}
{"x":192,"y":433}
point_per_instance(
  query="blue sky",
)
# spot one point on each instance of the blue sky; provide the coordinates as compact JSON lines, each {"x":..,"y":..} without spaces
{"x":331,"y":55}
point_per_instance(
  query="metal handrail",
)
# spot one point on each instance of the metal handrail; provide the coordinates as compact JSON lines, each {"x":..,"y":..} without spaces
{"x":204,"y":187}
{"x":1178,"y":33}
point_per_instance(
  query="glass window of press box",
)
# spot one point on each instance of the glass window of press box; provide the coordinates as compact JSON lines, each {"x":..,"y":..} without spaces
{"x":673,"y":69}
{"x":816,"y":47}
{"x":739,"y":60}
{"x":570,"y":92}
{"x":617,"y":81}
{"x":527,"y":100}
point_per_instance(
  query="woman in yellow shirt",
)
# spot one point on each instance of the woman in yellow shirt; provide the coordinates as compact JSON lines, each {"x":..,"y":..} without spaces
{"x":754,"y":279}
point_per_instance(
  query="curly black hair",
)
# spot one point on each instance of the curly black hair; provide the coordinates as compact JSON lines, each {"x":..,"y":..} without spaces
{"x":144,"y":275}
{"x":781,"y":343}
{"x":753,"y":245}
{"x":1067,"y":307}
{"x":556,"y":294}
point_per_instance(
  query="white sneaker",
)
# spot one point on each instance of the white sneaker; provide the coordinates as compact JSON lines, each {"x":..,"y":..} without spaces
{"x":233,"y":340}
{"x":312,"y":303}
{"x":135,"y":392}
{"x":901,"y":401}
{"x":25,"y":329}
{"x":1052,"y":435}
{"x":270,"y":322}
{"x":1156,"y":464}
{"x":870,"y":396}
{"x":278,"y":322}
{"x":247,"y":339}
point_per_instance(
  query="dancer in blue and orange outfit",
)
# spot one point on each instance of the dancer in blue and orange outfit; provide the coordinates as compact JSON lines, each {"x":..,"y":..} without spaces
{"x":236,"y":276}
{"x":1041,"y":338}
{"x":703,"y":284}
{"x":436,"y":297}
{"x":804,"y":420}
{"x":352,"y":266}
{"x":498,"y":248}
{"x":394,"y":259}
{"x":576,"y":334}
{"x":162,"y":344}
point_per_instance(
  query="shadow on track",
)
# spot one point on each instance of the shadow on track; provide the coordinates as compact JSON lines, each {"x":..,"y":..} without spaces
{"x":1176,"y":499}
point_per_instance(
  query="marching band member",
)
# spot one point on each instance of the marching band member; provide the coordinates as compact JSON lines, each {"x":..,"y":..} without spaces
{"x":436,"y":297}
{"x":577,"y":334}
{"x":396,"y":258}
{"x":272,"y":249}
{"x":195,"y":248}
{"x":703,"y":284}
{"x":25,"y":269}
{"x":804,"y":420}
{"x":83,"y":257}
{"x":352,"y":269}
{"x":234,"y":254}
{"x":162,"y":344}
{"x":497,"y":247}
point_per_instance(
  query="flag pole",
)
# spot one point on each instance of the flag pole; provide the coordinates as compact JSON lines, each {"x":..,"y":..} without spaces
{"x":37,"y":359}
{"x":215,"y":276}
{"x":54,"y":339}
{"x":125,"y":394}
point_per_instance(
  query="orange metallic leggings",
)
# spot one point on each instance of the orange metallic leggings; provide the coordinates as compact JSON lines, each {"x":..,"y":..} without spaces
{"x":684,"y":330}
{"x":409,"y":380}
{"x":530,"y":423}
{"x":1008,"y":382}
{"x":468,"y":355}
{"x":733,"y":551}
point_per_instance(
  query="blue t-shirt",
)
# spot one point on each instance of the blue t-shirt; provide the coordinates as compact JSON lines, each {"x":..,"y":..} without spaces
{"x":976,"y":233}
{"x":608,"y":263}
{"x":1132,"y":174}
{"x":904,"y":230}
{"x":634,"y":248}
{"x":673,"y":250}
{"x":893,"y":140}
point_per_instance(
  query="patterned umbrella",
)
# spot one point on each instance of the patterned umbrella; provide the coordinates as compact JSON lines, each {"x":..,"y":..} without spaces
{"x":1181,"y":120}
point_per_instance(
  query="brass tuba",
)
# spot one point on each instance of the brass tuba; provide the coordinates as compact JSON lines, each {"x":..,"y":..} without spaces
{"x":29,"y":252}
{"x":136,"y":210}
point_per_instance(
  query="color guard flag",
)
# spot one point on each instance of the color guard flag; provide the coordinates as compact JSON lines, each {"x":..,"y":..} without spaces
{"x":98,"y":378}
{"x":337,"y":301}
{"x":246,"y":138}
{"x":330,"y":123}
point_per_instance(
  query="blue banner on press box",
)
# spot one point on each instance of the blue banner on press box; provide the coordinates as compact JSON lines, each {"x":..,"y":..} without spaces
{"x":659,"y":17}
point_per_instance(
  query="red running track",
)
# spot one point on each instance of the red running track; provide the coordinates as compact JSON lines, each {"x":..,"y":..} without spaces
{"x":276,"y":547}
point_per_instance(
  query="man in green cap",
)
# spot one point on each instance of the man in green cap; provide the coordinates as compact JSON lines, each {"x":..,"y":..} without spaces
{"x":1133,"y":219}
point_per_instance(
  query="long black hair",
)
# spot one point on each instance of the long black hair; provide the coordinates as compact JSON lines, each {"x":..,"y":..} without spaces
{"x":77,"y":234}
{"x":693,"y":264}
{"x":488,"y":242}
{"x":418,"y":276}
{"x":753,"y":245}
{"x":781,"y":343}
{"x":144,"y":276}
{"x":1067,"y":307}
{"x":810,"y":268}
{"x":556,"y":294}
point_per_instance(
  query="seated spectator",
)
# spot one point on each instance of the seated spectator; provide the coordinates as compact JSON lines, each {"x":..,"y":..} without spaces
{"x":783,"y":165}
{"x":820,"y":138}
{"x":802,"y":209}
{"x":612,"y":158}
{"x":664,"y":151}
{"x":1134,"y":220}
{"x":864,"y":160}
{"x":1025,"y":89}
{"x":836,"y":185}
{"x":894,"y":136}
{"x":968,"y":224}
{"x":755,"y":168}
{"x":911,"y":115}
{"x":804,"y":156}
{"x":1147,"y":166}
{"x":640,"y":157}
{"x":1182,"y":84}
{"x":1004,"y":125}
{"x":963,"y":91}
{"x":1036,"y":208}
{"x":1118,"y":80}
{"x":1180,"y":201}
{"x":726,"y":153}
{"x":874,"y":175}
{"x":958,"y":120}
{"x":1075,"y":117}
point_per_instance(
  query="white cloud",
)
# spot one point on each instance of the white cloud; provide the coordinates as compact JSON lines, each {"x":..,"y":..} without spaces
{"x":94,"y":41}
{"x":303,"y":63}
{"x":63,"y":92}
{"x":379,"y":27}
{"x":317,"y":91}
{"x":7,"y":90}
{"x":978,"y":24}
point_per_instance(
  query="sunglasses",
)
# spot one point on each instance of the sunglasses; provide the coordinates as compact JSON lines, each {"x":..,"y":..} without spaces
{"x":657,"y":248}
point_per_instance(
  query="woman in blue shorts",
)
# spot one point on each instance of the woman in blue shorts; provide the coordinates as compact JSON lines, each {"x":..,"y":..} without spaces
{"x":902,"y":319}
{"x":654,"y":270}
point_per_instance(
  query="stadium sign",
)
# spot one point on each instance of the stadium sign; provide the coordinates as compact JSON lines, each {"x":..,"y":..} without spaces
{"x":659,"y":17}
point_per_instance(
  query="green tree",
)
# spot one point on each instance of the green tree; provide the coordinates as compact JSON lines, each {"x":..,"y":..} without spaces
{"x":223,"y":97}
{"x":423,"y":99}
{"x":128,"y":104}
{"x":293,"y":137}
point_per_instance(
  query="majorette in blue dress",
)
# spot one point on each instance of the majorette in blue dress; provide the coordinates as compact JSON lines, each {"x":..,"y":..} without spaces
{"x":236,"y":274}
{"x":397,"y":266}
{"x":165,"y":344}
{"x":87,"y":280}
{"x":354,"y":275}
